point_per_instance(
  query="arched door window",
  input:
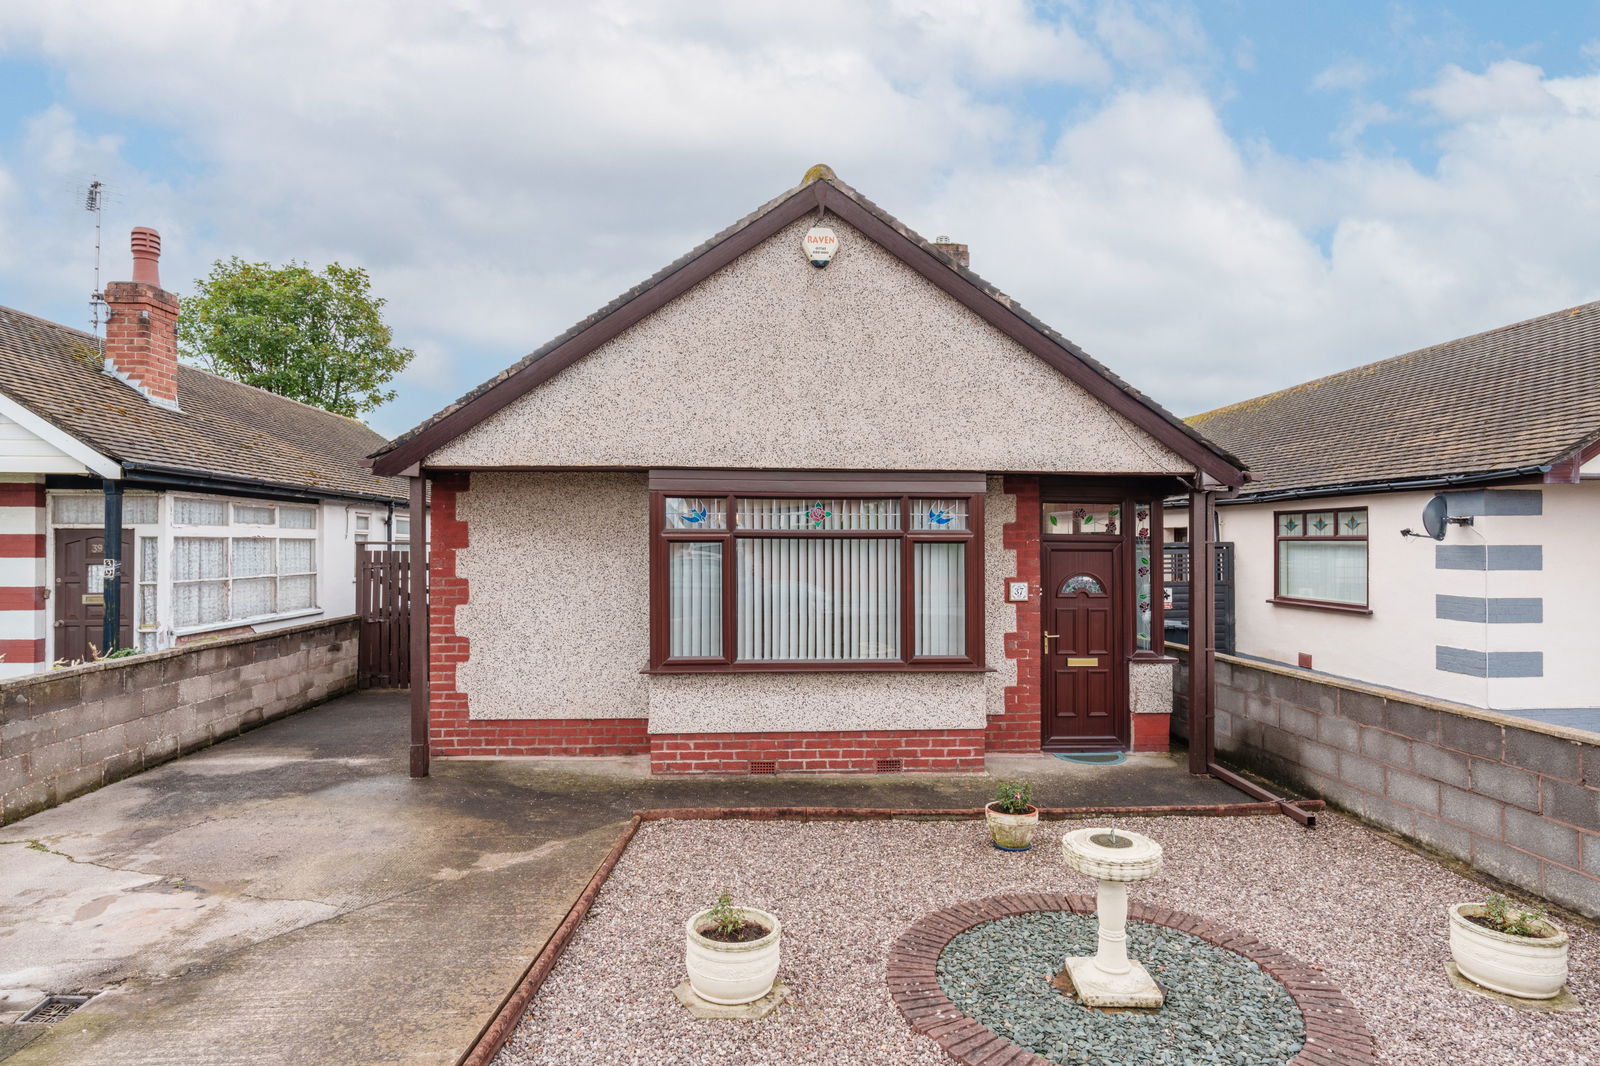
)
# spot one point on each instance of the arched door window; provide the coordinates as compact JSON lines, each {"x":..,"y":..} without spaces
{"x":1082,"y":583}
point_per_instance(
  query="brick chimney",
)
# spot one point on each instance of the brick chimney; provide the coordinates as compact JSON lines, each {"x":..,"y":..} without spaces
{"x":955,"y":251}
{"x":141,"y":346}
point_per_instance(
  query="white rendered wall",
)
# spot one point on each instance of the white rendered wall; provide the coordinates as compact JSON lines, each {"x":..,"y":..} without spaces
{"x":1396,"y":644}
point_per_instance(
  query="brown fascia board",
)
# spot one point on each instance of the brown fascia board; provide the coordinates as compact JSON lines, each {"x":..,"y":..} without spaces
{"x":962,"y":285}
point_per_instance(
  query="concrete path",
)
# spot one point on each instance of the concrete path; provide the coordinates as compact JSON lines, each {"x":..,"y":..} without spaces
{"x":291,"y":898}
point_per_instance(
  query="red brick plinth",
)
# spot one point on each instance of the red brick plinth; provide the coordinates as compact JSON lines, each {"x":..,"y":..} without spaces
{"x":1335,"y":1033}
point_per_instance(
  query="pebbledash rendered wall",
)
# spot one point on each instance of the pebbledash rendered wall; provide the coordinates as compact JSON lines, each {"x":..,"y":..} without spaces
{"x":558,"y":671}
{"x":1519,"y":800}
{"x":540,"y":602}
{"x":69,"y":731}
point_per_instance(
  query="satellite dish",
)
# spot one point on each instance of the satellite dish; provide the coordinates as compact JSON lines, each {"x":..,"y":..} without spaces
{"x":1434,"y":517}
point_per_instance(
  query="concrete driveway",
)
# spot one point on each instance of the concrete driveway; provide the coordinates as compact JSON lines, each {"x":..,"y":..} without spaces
{"x":292,"y":898}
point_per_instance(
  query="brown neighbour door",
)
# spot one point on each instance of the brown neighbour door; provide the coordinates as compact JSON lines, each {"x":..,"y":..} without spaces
{"x":1085,"y":708}
{"x":80,"y":615}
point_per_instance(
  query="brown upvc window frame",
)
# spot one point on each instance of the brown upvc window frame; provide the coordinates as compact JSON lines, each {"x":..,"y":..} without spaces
{"x":892,"y":488}
{"x":1278,"y":539}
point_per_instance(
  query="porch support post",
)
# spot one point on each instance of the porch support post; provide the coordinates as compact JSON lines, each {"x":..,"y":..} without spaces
{"x":111,"y":593}
{"x":1202,"y":626}
{"x":420,"y":666}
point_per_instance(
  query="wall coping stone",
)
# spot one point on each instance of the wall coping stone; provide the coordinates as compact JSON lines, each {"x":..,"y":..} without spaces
{"x":17,"y":684}
{"x":1399,"y":695}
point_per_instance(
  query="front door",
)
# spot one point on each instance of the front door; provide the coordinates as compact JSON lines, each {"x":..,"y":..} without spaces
{"x":1085,"y":708}
{"x":79,"y":592}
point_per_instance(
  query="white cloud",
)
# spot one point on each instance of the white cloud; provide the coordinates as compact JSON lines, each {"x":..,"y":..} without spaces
{"x":503,"y":169}
{"x":1346,"y":74}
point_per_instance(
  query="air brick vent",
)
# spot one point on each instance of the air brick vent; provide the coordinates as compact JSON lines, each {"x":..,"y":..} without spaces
{"x":765,"y":767}
{"x":889,"y":766}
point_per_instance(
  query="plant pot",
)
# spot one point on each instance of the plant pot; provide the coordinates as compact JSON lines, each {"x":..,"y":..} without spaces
{"x":732,"y":973}
{"x":1528,"y":967}
{"x":1011,"y":832}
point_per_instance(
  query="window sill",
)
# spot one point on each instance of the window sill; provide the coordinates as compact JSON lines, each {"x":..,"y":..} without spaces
{"x":235,"y":623}
{"x":1337,"y":608}
{"x":818,"y":668}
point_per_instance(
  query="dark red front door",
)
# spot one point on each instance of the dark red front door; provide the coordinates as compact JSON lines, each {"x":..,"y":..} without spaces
{"x":79,"y":604}
{"x":1085,"y":708}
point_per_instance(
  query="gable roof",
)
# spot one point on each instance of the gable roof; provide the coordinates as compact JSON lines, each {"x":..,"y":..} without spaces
{"x":225,"y":430}
{"x":1512,"y":402}
{"x":820,"y":189}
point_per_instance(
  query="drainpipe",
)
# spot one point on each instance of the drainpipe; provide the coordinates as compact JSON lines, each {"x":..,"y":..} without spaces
{"x":111,"y":593}
{"x":419,"y":624}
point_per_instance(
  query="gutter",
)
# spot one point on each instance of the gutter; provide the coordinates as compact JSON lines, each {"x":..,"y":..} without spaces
{"x":170,"y":477}
{"x":1363,"y":488}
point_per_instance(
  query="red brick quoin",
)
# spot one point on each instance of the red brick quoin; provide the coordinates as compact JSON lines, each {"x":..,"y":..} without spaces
{"x":1017,"y":727}
{"x":917,"y":750}
{"x":451,"y":730}
{"x":1335,"y":1033}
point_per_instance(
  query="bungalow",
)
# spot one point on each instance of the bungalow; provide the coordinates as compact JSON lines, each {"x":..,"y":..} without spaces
{"x":238,"y":510}
{"x":1427,"y":522}
{"x":815,"y":497}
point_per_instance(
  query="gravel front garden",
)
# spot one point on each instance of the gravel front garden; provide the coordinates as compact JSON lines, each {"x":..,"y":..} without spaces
{"x":1366,"y":912}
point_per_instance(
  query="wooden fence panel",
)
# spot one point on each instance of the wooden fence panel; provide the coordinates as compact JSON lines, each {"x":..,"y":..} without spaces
{"x":383,"y":602}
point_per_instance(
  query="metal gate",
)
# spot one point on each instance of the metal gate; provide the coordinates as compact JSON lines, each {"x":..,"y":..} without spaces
{"x":1175,"y":617}
{"x":383,"y":602}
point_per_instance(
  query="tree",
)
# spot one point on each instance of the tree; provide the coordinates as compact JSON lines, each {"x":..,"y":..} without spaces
{"x":316,"y":338}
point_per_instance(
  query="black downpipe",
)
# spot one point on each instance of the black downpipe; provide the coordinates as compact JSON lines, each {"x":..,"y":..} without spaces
{"x":111,"y":593}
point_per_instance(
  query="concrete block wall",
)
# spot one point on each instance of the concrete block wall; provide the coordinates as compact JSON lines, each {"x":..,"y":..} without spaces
{"x":1519,"y":800}
{"x":69,"y":731}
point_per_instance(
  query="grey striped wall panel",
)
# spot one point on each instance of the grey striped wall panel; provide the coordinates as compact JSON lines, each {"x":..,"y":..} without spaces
{"x":1489,"y":664}
{"x":1488,"y":557}
{"x":1498,"y":609}
{"x":1495,"y":502}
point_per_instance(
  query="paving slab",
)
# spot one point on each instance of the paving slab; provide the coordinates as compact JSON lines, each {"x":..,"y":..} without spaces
{"x":292,"y":898}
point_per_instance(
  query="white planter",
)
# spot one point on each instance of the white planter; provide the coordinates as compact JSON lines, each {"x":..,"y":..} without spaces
{"x":732,"y":973}
{"x":1529,"y":967}
{"x":1011,"y":832}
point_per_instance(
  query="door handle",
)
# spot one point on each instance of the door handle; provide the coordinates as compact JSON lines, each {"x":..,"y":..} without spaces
{"x":1048,"y":637}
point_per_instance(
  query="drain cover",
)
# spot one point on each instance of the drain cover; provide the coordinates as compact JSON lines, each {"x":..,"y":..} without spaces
{"x":54,"y":1008}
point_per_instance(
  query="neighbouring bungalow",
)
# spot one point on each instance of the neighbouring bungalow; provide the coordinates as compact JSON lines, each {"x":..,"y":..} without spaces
{"x":815,"y":497}
{"x":1427,"y":522}
{"x":238,"y":510}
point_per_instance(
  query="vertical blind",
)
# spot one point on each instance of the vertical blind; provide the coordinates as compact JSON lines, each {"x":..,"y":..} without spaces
{"x":940,"y":609}
{"x":818,"y":599}
{"x":694,"y":576}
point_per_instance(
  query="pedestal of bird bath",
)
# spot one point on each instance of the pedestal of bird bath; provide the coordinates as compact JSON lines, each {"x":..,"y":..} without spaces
{"x":1115,"y":859}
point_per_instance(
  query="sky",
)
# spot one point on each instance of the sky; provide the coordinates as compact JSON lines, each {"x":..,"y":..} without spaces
{"x":1215,"y":199}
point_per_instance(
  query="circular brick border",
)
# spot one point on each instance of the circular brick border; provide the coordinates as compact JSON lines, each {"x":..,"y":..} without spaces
{"x":1335,"y":1033}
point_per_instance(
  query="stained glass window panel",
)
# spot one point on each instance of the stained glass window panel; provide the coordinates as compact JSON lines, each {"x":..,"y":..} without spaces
{"x":1322,"y":524}
{"x":939,"y":516}
{"x":1291,"y":525}
{"x":1082,"y":583}
{"x":1143,"y":577}
{"x":694,"y":512}
{"x":813,"y":513}
{"x":1352,"y":523}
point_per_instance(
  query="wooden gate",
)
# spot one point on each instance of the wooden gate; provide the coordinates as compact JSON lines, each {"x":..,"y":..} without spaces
{"x":383,"y":602}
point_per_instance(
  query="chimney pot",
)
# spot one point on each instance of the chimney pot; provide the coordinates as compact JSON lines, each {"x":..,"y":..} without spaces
{"x":958,"y":252}
{"x":146,"y":256}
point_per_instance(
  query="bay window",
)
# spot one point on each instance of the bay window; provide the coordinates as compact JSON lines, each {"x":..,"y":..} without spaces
{"x":832,"y":580}
{"x":1322,"y":558}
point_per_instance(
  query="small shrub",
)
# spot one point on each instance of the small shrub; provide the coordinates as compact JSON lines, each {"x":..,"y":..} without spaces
{"x":1013,"y":797}
{"x":1499,"y":915}
{"x":725,"y":917}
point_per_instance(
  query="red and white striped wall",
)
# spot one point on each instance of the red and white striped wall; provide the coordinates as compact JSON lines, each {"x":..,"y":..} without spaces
{"x":23,"y":614}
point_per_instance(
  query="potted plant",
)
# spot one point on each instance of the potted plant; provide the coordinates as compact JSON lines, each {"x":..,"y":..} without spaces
{"x":732,"y":952}
{"x":1011,"y":815}
{"x":1518,"y":952}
